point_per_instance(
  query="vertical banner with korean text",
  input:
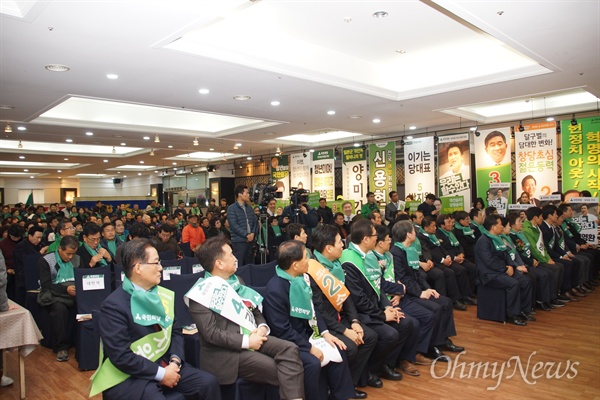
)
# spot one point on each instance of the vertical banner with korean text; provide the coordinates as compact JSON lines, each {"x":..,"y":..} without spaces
{"x":581,"y":155}
{"x":382,"y":171}
{"x":492,"y":158}
{"x":585,"y":210}
{"x":300,"y":171}
{"x":419,"y":173}
{"x":454,"y":171}
{"x":323,"y":178}
{"x":354,"y":175}
{"x":535,"y":157}
{"x":280,"y":174}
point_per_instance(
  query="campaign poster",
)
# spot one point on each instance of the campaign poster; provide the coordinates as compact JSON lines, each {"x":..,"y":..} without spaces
{"x":382,"y":171}
{"x":536,"y":160}
{"x":585,"y":214}
{"x":419,"y":171}
{"x":300,"y":171}
{"x":492,"y":159}
{"x":581,"y":155}
{"x":280,"y":174}
{"x":355,"y":178}
{"x":497,"y":196}
{"x":323,"y":178}
{"x":454,"y":171}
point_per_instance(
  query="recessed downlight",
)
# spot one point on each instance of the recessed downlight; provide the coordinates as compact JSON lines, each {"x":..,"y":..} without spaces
{"x":123,"y":144}
{"x":275,"y":103}
{"x":170,"y":146}
{"x":409,"y":138}
{"x":21,"y":128}
{"x":57,"y":68}
{"x":412,"y":127}
{"x":104,"y":160}
{"x":376,"y":120}
{"x":354,"y":116}
{"x":146,"y":137}
{"x":89,"y":133}
{"x":112,"y":76}
{"x":69,"y":140}
{"x":331,"y":112}
{"x":380,"y":14}
{"x":204,"y":91}
{"x":22,"y":157}
{"x":241,"y":97}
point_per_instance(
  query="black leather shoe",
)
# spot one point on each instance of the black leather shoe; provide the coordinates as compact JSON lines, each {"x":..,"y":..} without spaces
{"x":563,"y":298}
{"x":374,"y":381}
{"x":359,"y":394}
{"x":543,"y":306}
{"x":459,"y":306}
{"x":469,"y":301}
{"x":515,"y":320}
{"x":390,"y":374}
{"x":526,"y":316}
{"x":436,"y":354}
{"x":452,"y":347}
{"x":557,"y":303}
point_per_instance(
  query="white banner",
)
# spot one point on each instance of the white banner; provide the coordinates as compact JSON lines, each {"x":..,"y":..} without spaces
{"x":300,"y":171}
{"x":354,"y":175}
{"x":419,"y":176}
{"x":454,"y":171}
{"x":535,"y":156}
{"x":323,"y":177}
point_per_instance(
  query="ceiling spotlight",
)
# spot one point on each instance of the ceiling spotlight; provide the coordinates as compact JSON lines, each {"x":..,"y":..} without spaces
{"x":112,"y":76}
{"x":69,"y":140}
{"x":20,"y":145}
{"x":550,"y":119}
{"x":241,"y":97}
{"x":356,"y":144}
{"x":152,"y":152}
{"x":278,"y":150}
{"x":275,"y":103}
{"x":141,"y":162}
{"x":57,"y":68}
{"x":21,"y":128}
{"x":156,"y":138}
{"x":380,"y":14}
{"x":26,"y":170}
{"x":376,"y":120}
{"x":22,"y":157}
{"x":8,"y":128}
{"x":412,"y":127}
{"x":304,"y":154}
{"x":521,"y":128}
{"x":146,"y":137}
{"x":311,"y":150}
{"x":238,"y":144}
{"x":249,"y":158}
{"x":170,"y":146}
{"x":331,"y":112}
{"x":473,"y":128}
{"x":204,"y":91}
{"x":212,"y":149}
{"x":573,"y":121}
{"x":196,"y":142}
{"x":123,"y":144}
{"x":89,"y":133}
{"x":104,"y":160}
{"x":114,"y":151}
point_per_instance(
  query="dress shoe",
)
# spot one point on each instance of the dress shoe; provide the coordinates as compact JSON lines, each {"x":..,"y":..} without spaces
{"x":562,"y":297}
{"x":374,"y":381}
{"x":389,"y":373}
{"x":572,"y":298}
{"x":459,"y":306}
{"x":436,"y":354}
{"x":452,"y":347}
{"x":6,"y":381}
{"x":359,"y":394}
{"x":469,"y":301}
{"x":532,"y":312}
{"x":557,"y":303}
{"x":515,"y":320}
{"x":588,"y":286}
{"x":576,"y":293}
{"x":543,"y":306}
{"x":420,"y":359}
{"x":585,"y":289}
{"x":527,"y":317}
{"x":593,"y":282}
{"x":409,"y":368}
{"x":62,"y":356}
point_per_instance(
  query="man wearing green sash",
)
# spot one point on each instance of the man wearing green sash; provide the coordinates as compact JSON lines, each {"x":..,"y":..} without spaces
{"x":495,"y":270}
{"x":227,"y":349}
{"x":91,"y":253}
{"x":143,"y":346}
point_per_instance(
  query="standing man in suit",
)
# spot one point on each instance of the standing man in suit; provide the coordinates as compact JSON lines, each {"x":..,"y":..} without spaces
{"x":243,"y":225}
{"x":289,"y":310}
{"x":392,"y":208}
{"x":143,"y":346}
{"x":228,"y":349}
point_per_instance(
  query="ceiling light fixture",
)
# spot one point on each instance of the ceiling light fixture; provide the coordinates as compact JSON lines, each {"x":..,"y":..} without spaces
{"x":331,"y":112}
{"x":156,"y":138}
{"x":152,"y":152}
{"x":123,"y":144}
{"x":204,"y":91}
{"x":146,"y":137}
{"x":212,"y":149}
{"x":112,"y":76}
{"x":380,"y":14}
{"x":412,"y":128}
{"x":170,"y":146}
{"x":104,"y":160}
{"x":241,"y":97}
{"x":8,"y":128}
{"x":278,"y":150}
{"x":311,"y":150}
{"x":141,"y":162}
{"x":89,"y":133}
{"x":354,"y":116}
{"x":275,"y":103}
{"x":20,"y":145}
{"x":356,"y":144}
{"x":114,"y":151}
{"x":69,"y":140}
{"x":21,"y":128}
{"x":550,"y":119}
{"x":376,"y":120}
{"x":22,"y":157}
{"x":57,"y":68}
{"x":249,"y":158}
{"x":409,"y":138}
{"x":573,"y":121}
{"x":195,"y":141}
{"x":521,"y":128}
{"x":238,"y":144}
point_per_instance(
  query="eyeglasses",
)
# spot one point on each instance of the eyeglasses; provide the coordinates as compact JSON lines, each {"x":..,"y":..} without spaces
{"x":91,"y":239}
{"x":154,"y":263}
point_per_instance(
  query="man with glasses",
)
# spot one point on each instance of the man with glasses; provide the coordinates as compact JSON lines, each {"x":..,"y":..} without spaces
{"x":109,"y":240}
{"x":143,"y":344}
{"x":32,"y":245}
{"x":91,"y":253}
{"x":64,"y":228}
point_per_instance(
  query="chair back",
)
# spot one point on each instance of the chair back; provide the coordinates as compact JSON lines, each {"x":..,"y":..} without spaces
{"x":171,"y":267}
{"x":167,"y":255}
{"x":92,"y":286}
{"x":262,"y":273}
{"x":245,"y":273}
{"x":32,"y":271}
{"x":187,"y":251}
{"x":181,"y":284}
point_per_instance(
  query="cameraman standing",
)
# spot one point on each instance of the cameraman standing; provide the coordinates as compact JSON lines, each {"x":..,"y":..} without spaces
{"x":300,"y":212}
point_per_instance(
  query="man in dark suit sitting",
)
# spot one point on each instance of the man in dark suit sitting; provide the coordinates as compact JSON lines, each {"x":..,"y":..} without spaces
{"x":142,"y":343}
{"x":226,"y":350}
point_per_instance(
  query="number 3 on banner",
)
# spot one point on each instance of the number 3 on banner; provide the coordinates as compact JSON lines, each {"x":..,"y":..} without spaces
{"x":495,"y":175}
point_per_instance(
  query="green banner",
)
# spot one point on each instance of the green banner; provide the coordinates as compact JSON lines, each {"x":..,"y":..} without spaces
{"x":451,"y":204}
{"x":323,"y":177}
{"x":493,"y":160}
{"x":280,"y":173}
{"x":581,"y":155}
{"x":382,"y":171}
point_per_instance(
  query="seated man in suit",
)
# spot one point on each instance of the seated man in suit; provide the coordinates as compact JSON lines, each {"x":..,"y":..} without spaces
{"x":227,"y":337}
{"x":496,"y":270}
{"x":338,"y":309}
{"x":289,"y":310}
{"x":143,"y":346}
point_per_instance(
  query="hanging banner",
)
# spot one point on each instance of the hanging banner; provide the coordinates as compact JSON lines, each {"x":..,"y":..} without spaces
{"x":581,"y":155}
{"x":354,"y":175}
{"x":492,"y":158}
{"x":300,"y":171}
{"x":280,"y":174}
{"x":585,"y":214}
{"x":497,"y":196}
{"x":454,"y":171}
{"x":535,"y":157}
{"x":382,"y":171}
{"x":323,"y":179}
{"x":419,"y":175}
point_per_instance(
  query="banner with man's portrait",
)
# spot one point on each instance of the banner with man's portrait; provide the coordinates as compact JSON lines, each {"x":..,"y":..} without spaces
{"x":454,"y":167}
{"x":492,"y":158}
{"x":585,"y":211}
{"x":535,"y":155}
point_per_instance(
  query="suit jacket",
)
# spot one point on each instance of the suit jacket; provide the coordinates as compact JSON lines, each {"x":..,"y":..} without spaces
{"x":276,"y":309}
{"x":490,"y":262}
{"x":85,"y":258}
{"x":453,"y":251}
{"x":549,"y":234}
{"x":370,"y":306}
{"x":437,"y":253}
{"x":118,"y":332}
{"x":220,"y":342}
{"x":412,"y":279}
{"x":467,"y":243}
{"x":336,"y":322}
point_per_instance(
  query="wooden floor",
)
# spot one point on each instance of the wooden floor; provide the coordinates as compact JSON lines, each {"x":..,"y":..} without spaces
{"x":564,"y":339}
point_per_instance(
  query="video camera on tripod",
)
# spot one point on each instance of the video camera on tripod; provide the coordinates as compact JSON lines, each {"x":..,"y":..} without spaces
{"x":297,"y":198}
{"x":262,"y":193}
